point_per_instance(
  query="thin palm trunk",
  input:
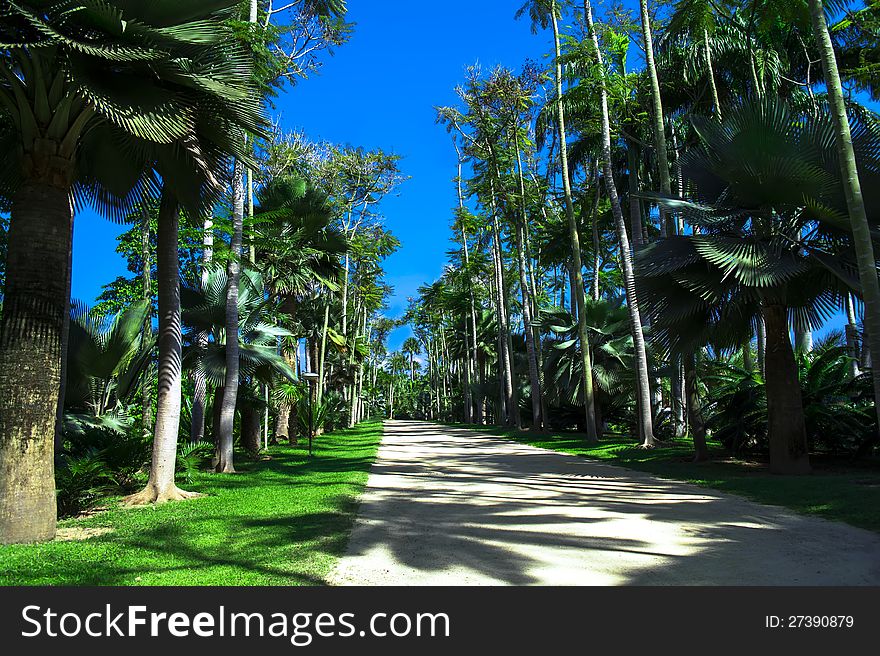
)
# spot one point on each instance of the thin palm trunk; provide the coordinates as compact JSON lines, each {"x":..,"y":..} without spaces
{"x":711,"y":69}
{"x":646,"y":421}
{"x":578,"y":289}
{"x":200,"y":384}
{"x":147,"y":330}
{"x":161,"y":486}
{"x":696,"y":424}
{"x":594,"y":225}
{"x":861,"y":231}
{"x":525,"y":293}
{"x":658,"y":120}
{"x":852,"y":337}
{"x":323,"y":355}
{"x":506,"y":365}
{"x":230,"y":395}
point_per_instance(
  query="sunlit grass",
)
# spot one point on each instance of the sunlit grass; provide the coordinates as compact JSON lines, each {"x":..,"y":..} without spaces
{"x":282,"y":521}
{"x":839,"y":489}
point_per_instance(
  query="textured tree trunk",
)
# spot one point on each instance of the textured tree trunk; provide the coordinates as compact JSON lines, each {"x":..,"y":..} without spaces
{"x":230,"y":395}
{"x":696,"y":424}
{"x":578,"y":289}
{"x":646,"y":421}
{"x":250,"y":429}
{"x":65,"y":339}
{"x":161,"y":487}
{"x":853,"y":189}
{"x":35,"y":301}
{"x":785,"y":412}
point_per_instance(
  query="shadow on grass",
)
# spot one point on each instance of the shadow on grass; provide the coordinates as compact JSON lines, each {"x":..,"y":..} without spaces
{"x":281,"y":521}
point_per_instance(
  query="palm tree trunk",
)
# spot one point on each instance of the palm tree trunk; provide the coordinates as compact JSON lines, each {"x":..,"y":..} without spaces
{"x":506,"y":364}
{"x":852,"y":187}
{"x":230,"y":395}
{"x":525,"y":292}
{"x":658,"y":127}
{"x":31,"y":328}
{"x":852,"y":337}
{"x":578,"y":289}
{"x":636,"y":220}
{"x":594,"y":225}
{"x":200,"y":384}
{"x":250,"y":429}
{"x":646,"y":421}
{"x":786,"y":427}
{"x":711,"y":69}
{"x":696,"y":424}
{"x":147,"y":331}
{"x":65,"y":339}
{"x":323,"y":355}
{"x":762,"y":345}
{"x":161,"y":486}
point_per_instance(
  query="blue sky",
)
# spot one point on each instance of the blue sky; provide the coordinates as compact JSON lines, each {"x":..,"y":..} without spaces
{"x":378,"y":91}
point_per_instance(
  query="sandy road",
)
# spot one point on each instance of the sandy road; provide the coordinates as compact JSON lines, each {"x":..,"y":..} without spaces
{"x":447,"y":506}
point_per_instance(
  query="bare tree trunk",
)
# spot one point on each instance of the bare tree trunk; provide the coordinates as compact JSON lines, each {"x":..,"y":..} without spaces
{"x":230,"y":395}
{"x":853,"y":189}
{"x":695,"y":409}
{"x":250,"y":429}
{"x":161,"y":486}
{"x":852,"y":337}
{"x":658,"y":126}
{"x":200,"y":384}
{"x":526,"y":296}
{"x":323,"y":355}
{"x":646,"y":423}
{"x":716,"y":103}
{"x":31,"y":333}
{"x":786,"y":426}
{"x":147,"y":330}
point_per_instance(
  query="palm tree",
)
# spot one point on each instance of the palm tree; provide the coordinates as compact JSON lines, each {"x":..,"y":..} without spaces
{"x":299,"y":254}
{"x":855,"y":202}
{"x":204,"y":313}
{"x":411,"y":348}
{"x":542,"y":13}
{"x":107,"y":362}
{"x":773,"y":243}
{"x":646,"y":421}
{"x":87,"y":88}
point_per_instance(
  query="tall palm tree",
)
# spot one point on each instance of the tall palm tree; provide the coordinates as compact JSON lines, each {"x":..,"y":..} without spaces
{"x":855,"y":202}
{"x":544,"y":13}
{"x":773,"y":243}
{"x":81,"y":82}
{"x":646,"y":421}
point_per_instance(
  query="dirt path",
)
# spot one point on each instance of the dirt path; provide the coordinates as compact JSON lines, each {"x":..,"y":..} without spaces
{"x":447,"y":506}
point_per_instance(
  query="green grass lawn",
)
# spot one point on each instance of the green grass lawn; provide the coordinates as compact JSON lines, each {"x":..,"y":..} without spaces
{"x":282,"y":521}
{"x":840,"y":489}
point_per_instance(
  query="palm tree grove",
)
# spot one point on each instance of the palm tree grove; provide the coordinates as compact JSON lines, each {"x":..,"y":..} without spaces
{"x":306,"y":292}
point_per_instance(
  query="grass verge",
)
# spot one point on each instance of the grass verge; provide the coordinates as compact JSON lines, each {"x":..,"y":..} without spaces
{"x":839,"y":489}
{"x":283,"y":521}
